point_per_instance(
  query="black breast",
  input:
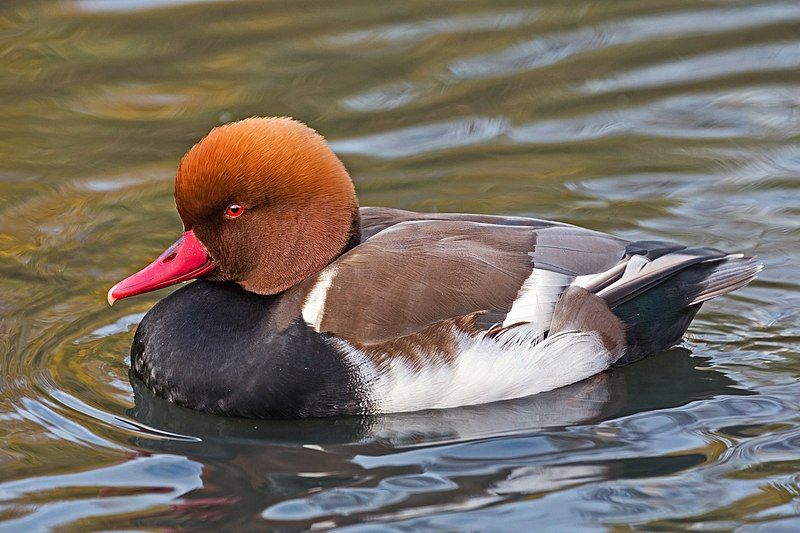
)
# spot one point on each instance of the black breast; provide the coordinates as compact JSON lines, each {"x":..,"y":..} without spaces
{"x":210,"y":346}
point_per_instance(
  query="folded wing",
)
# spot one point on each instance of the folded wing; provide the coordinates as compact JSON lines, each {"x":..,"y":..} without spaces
{"x":415,"y":273}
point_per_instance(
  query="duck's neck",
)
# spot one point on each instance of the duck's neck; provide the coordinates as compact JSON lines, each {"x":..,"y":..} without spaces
{"x":302,"y":243}
{"x":355,"y":231}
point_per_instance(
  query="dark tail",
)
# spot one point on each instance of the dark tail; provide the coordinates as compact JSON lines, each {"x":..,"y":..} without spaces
{"x":656,"y":310}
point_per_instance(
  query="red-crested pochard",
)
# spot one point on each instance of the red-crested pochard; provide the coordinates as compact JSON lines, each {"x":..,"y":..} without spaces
{"x":311,"y":306}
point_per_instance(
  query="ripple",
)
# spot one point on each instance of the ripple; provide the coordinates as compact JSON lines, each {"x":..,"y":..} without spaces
{"x":350,"y":500}
{"x":110,"y":185}
{"x":116,"y":421}
{"x":423,"y":29}
{"x":416,"y":140}
{"x":747,"y":59}
{"x":49,"y":508}
{"x":764,"y":112}
{"x":382,"y":98}
{"x":763,"y":166}
{"x":525,"y":56}
{"x":134,"y":5}
{"x":553,"y":48}
{"x":532,"y":480}
{"x":132,"y":101}
{"x":122,"y":324}
{"x":61,"y":427}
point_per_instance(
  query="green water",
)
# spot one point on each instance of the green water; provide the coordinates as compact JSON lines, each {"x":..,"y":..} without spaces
{"x":663,"y":120}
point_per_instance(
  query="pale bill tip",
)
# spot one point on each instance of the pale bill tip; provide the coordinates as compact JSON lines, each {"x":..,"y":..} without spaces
{"x":109,"y":297}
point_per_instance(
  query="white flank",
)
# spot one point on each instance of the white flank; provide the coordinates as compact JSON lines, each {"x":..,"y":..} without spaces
{"x":511,"y":365}
{"x":537,"y":298}
{"x":314,"y":306}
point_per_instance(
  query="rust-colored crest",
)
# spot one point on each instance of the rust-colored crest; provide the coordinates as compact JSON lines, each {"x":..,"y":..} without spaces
{"x":257,"y":159}
{"x":300,"y":205}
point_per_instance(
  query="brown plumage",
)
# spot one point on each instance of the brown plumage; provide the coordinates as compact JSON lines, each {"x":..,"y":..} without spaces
{"x":455,"y":268}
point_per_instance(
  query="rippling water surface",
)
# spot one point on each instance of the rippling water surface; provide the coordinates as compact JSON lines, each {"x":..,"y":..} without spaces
{"x":666,"y":119}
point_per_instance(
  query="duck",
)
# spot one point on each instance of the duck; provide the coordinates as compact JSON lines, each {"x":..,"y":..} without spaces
{"x":305,"y":304}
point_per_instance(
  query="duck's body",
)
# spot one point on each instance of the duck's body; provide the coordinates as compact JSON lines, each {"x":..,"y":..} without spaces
{"x":312,"y":306}
{"x":421,"y":311}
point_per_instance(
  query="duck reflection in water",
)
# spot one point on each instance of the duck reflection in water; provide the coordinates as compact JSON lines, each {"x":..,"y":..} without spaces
{"x":266,"y":462}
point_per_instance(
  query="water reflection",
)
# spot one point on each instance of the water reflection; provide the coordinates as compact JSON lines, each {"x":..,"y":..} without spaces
{"x":680,"y":378}
{"x":304,"y":471}
{"x":131,"y":486}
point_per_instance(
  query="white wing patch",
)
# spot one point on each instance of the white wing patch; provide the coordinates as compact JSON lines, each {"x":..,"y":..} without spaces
{"x":631,"y":267}
{"x":583,"y":281}
{"x":486,"y":369}
{"x":314,"y":306}
{"x":635,"y":265}
{"x":537,"y":298}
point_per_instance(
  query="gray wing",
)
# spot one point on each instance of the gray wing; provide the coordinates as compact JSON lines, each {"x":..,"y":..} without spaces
{"x":377,"y":219}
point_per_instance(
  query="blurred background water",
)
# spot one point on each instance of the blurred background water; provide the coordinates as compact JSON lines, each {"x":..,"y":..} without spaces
{"x":665,"y":119}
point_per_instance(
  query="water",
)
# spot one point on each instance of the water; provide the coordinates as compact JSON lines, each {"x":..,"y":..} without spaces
{"x":667,"y":119}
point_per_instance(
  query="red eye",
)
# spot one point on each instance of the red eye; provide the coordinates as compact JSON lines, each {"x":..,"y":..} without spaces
{"x":234,"y":211}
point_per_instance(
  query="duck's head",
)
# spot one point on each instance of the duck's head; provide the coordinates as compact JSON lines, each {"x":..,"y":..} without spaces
{"x":264,"y":203}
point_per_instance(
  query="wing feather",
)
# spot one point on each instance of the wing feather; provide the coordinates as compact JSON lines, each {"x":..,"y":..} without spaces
{"x":415,"y":273}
